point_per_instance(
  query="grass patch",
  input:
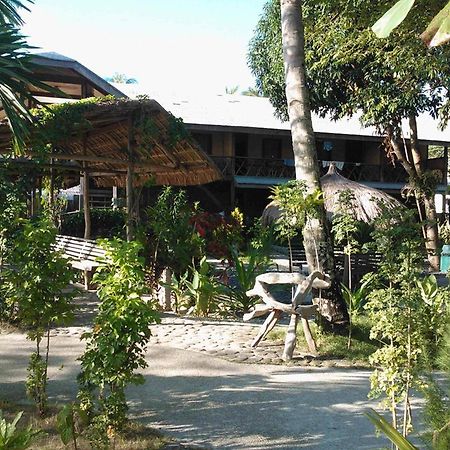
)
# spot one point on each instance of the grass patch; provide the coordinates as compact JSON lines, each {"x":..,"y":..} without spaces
{"x":135,"y":436}
{"x":334,"y":346}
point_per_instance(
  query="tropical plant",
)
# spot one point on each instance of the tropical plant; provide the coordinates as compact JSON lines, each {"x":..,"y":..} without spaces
{"x":399,"y":441}
{"x":35,"y":287}
{"x":16,"y":71}
{"x":436,"y":33}
{"x":202,"y":289}
{"x":115,"y":348}
{"x":11,"y":438}
{"x":245,"y":270}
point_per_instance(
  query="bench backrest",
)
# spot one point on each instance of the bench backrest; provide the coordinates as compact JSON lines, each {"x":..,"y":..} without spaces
{"x":78,"y":248}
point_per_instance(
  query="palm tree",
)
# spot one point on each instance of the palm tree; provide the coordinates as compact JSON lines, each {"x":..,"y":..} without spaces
{"x":16,"y":70}
{"x":9,"y":14}
{"x":316,"y":234}
{"x":251,"y":92}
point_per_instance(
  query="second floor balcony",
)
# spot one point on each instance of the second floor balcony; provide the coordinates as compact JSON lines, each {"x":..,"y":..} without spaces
{"x":284,"y":169}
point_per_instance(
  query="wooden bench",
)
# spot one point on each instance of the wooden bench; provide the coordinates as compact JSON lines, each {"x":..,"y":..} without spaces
{"x":82,"y":254}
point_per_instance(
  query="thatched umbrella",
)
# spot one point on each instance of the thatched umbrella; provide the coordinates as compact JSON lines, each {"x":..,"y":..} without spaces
{"x":365,"y":206}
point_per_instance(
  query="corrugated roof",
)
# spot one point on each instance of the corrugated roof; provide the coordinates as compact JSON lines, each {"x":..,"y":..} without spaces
{"x":257,"y":112}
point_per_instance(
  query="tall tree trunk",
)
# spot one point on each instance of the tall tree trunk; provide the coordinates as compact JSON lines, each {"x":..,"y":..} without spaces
{"x":415,"y":171}
{"x":316,"y":235}
{"x":427,"y":198}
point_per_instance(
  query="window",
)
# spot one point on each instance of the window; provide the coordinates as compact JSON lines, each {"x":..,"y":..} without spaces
{"x":272,"y":148}
{"x":205,"y":141}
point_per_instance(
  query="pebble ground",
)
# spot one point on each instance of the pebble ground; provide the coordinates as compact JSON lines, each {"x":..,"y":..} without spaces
{"x":226,"y":339}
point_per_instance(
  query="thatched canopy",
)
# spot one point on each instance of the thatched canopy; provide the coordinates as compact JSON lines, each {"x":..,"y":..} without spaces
{"x":112,"y":134}
{"x":365,"y":206}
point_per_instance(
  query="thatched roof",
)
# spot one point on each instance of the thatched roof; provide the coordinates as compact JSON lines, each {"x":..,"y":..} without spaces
{"x":110,"y":131}
{"x":365,"y":206}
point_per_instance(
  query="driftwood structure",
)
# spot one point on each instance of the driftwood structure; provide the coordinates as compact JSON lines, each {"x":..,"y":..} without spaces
{"x":120,"y":142}
{"x":296,"y":309}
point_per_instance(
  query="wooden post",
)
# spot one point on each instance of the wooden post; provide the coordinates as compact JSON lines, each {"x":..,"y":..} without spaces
{"x":291,"y":338}
{"x":130,"y":203}
{"x":86,"y":203}
{"x":114,"y":199}
{"x":130,"y":172}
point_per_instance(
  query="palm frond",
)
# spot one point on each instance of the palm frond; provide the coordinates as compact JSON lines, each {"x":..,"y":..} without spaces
{"x":9,"y":11}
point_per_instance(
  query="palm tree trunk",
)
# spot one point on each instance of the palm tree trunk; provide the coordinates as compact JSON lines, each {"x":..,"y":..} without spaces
{"x":316,"y":234}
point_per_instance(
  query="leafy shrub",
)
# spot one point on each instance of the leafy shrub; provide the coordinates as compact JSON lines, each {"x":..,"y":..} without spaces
{"x":115,"y":347}
{"x":197,"y":289}
{"x":34,"y":288}
{"x":222,"y":235}
{"x":12,"y":438}
{"x":105,"y":223}
{"x":174,"y":240}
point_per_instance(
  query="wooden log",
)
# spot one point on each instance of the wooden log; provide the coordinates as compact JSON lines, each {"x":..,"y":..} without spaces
{"x":308,"y":336}
{"x":266,"y":327}
{"x":291,"y":338}
{"x":260,"y":309}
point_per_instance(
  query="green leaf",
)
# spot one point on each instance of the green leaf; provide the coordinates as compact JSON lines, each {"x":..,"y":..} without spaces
{"x":389,"y":431}
{"x":438,"y":31}
{"x":392,"y":19}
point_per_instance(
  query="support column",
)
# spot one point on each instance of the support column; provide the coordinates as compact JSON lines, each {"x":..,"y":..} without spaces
{"x":130,"y":227}
{"x":86,"y":203}
{"x":130,"y":174}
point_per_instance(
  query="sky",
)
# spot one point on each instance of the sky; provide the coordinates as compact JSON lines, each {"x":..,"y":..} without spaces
{"x":168,"y":45}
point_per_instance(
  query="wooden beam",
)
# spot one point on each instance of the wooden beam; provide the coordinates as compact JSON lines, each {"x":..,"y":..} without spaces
{"x":100,"y":159}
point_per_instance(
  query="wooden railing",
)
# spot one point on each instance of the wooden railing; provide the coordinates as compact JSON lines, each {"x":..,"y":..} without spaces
{"x":284,"y":168}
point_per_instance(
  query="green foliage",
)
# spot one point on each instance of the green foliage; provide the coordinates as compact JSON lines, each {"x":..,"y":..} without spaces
{"x":105,"y":223}
{"x":13,"y":206}
{"x":348,"y":69}
{"x":295,"y":207}
{"x":437,"y":395}
{"x":11,"y":438}
{"x":177,"y":132}
{"x":173,"y":246}
{"x":115,"y":348}
{"x":407,"y":314}
{"x":246,"y":270}
{"x":436,"y":33}
{"x":393,"y":18}
{"x":444,"y":233}
{"x":56,"y":123}
{"x":345,"y":226}
{"x":202,"y":289}
{"x":357,"y":299}
{"x":34,"y":288}
{"x":389,"y":431}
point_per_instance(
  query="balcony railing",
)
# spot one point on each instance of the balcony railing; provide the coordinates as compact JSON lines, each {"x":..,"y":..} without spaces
{"x":284,"y":168}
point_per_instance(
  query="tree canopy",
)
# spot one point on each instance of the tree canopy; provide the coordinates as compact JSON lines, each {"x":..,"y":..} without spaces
{"x":349,"y":70}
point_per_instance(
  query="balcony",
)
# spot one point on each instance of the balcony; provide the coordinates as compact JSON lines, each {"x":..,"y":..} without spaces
{"x":283,"y":168}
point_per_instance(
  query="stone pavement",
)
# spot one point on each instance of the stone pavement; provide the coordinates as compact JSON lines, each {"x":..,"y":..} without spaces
{"x":226,"y":339}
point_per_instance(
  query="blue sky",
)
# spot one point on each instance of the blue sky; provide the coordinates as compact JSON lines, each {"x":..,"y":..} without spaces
{"x":172,"y":45}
